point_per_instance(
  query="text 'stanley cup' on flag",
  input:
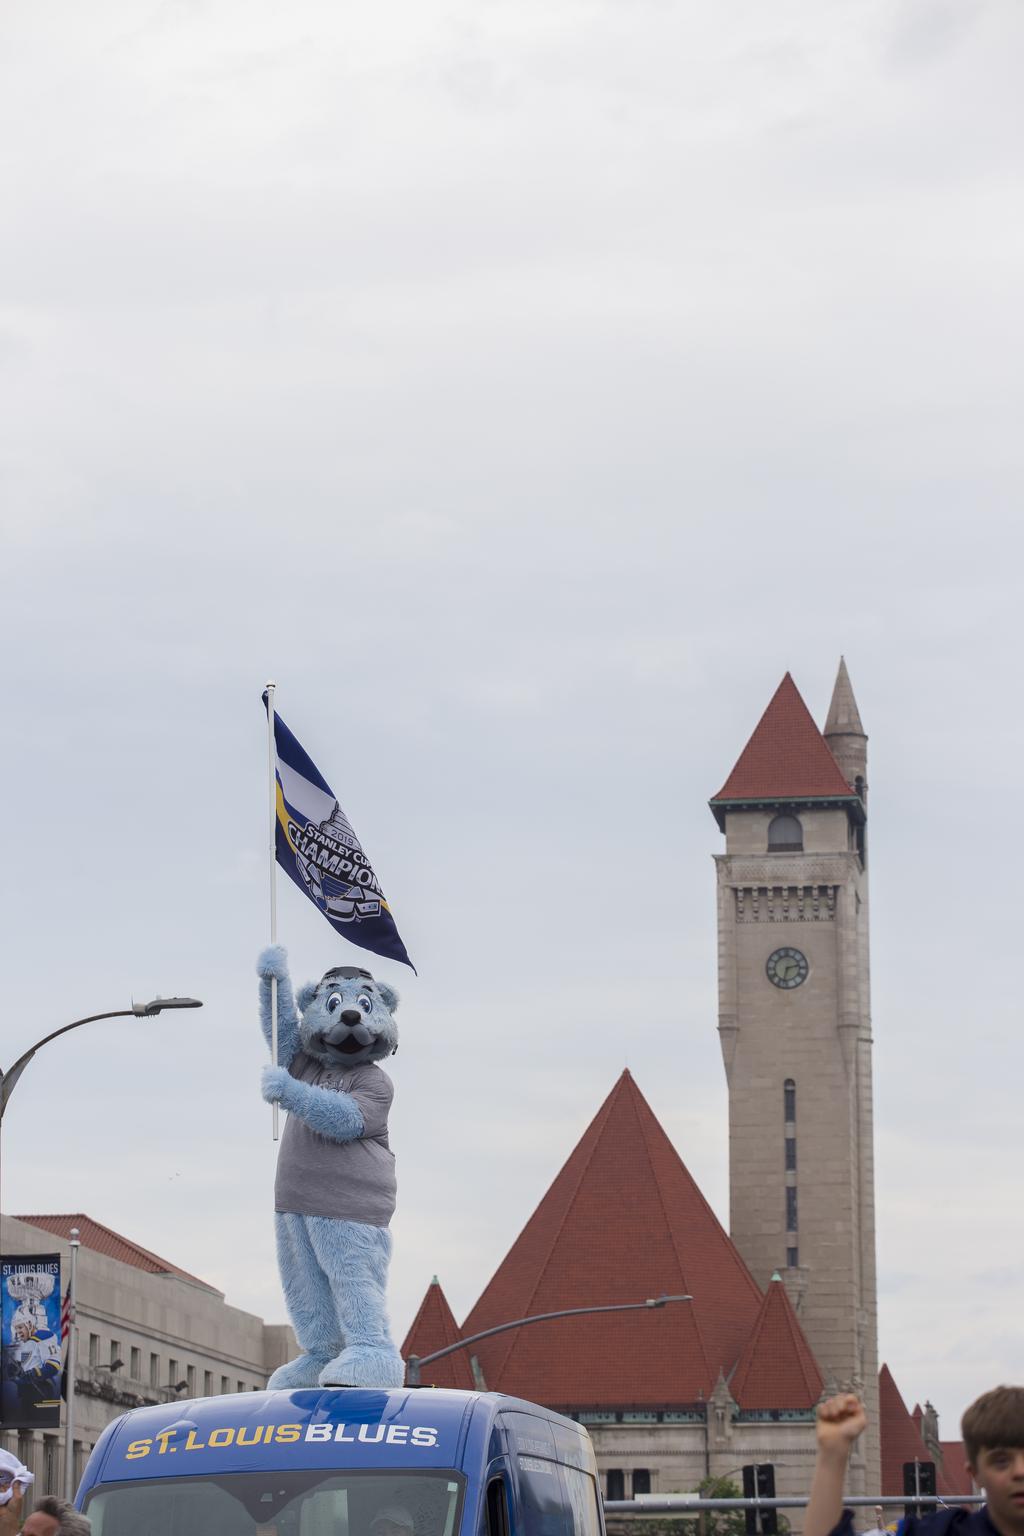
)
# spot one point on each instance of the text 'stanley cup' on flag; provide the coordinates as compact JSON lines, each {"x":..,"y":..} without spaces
{"x":317,"y":847}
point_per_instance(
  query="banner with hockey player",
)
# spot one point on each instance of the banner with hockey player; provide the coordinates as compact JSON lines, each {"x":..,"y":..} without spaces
{"x":30,"y":1343}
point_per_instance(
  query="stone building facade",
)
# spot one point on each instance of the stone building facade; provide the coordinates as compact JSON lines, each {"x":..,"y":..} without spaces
{"x":148,"y":1332}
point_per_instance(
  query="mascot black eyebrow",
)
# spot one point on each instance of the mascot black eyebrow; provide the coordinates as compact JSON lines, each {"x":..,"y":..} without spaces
{"x":335,"y":1191}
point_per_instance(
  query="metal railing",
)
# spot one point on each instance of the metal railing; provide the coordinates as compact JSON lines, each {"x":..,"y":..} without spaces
{"x":686,"y":1503}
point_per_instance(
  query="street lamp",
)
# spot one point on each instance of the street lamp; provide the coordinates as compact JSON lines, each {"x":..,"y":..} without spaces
{"x":415,"y":1363}
{"x":9,"y":1079}
{"x":8,"y":1083}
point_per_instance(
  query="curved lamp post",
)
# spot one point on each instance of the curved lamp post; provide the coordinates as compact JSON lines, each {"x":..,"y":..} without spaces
{"x":8,"y":1083}
{"x":415,"y":1363}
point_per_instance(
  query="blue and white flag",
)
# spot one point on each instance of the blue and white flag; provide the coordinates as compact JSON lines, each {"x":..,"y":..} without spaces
{"x":317,"y":847}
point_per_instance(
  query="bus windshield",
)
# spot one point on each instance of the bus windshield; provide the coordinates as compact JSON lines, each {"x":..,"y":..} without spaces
{"x":295,"y":1503}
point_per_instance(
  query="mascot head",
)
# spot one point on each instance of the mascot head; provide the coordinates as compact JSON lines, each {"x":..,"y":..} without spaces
{"x":348,"y":1018}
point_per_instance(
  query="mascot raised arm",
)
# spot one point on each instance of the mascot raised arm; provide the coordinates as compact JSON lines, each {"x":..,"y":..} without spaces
{"x":335,"y":1191}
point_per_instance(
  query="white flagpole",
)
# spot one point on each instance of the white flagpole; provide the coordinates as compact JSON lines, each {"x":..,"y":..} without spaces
{"x":273,"y":878}
{"x":70,"y":1368}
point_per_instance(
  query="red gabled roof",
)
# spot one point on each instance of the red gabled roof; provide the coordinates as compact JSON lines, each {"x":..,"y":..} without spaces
{"x":787,"y":757}
{"x":622,"y":1221}
{"x":901,"y":1438}
{"x":101,"y":1239}
{"x":776,"y":1368}
{"x":434,"y":1327}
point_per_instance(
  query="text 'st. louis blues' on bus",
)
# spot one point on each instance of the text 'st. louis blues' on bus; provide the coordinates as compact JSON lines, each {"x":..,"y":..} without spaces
{"x":335,"y":1461}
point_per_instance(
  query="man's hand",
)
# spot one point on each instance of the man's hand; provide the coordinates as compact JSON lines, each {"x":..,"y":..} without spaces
{"x":10,"y":1514}
{"x":840,"y":1420}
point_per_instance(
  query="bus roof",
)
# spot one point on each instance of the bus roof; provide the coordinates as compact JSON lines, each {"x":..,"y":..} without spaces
{"x":407,"y":1428}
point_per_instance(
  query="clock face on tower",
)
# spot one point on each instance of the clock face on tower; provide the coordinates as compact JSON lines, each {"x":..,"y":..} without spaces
{"x":786,"y":968}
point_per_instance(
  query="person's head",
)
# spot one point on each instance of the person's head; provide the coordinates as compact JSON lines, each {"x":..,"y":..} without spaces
{"x":993,"y":1431}
{"x":392,"y":1520}
{"x":22,"y":1329}
{"x":52,"y":1517}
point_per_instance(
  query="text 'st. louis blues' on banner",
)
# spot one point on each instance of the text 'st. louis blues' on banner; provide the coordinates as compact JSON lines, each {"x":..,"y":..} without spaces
{"x":317,"y":847}
{"x":30,"y":1348}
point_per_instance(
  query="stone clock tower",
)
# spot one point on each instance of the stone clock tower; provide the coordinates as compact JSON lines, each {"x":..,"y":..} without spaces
{"x":795,"y":1027}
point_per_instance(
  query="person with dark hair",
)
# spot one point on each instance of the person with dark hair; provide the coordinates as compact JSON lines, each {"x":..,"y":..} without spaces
{"x":993,"y":1432}
{"x":51,"y":1517}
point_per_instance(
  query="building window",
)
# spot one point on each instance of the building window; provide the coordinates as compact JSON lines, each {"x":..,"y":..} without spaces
{"x":791,"y":1208}
{"x":190,"y":1376}
{"x":115,"y":1352}
{"x":785,"y":835}
{"x":790,"y":1154}
{"x":94,"y":1349}
{"x":241,"y":1386}
{"x":154,"y":1370}
{"x":51,"y":1465}
{"x":641,"y":1481}
{"x":792,"y":1258}
{"x":225,"y":1385}
{"x":136,"y":1364}
{"x":207,"y":1383}
{"x":172,"y":1373}
{"x":615,"y":1483}
{"x":789,"y":1100}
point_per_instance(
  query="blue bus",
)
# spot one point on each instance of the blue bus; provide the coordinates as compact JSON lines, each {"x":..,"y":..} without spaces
{"x":344,"y":1461}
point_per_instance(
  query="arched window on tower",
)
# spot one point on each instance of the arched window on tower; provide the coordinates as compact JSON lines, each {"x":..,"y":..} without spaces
{"x":785,"y":835}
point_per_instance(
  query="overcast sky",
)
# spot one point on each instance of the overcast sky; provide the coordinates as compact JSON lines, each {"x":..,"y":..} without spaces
{"x":525,"y":385}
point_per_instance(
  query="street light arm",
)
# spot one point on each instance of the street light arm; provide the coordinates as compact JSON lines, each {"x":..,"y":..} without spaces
{"x":9,"y":1079}
{"x":416,"y":1362}
{"x":11,"y":1076}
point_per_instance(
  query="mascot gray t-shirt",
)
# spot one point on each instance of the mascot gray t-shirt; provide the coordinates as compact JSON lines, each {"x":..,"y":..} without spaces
{"x":347,"y":1180}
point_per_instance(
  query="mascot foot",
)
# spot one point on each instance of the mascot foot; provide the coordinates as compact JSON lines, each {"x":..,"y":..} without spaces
{"x":303,"y":1372}
{"x":363,"y":1365}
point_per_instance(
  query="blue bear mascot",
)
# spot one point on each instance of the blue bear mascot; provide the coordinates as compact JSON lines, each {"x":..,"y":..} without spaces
{"x":335,"y":1191}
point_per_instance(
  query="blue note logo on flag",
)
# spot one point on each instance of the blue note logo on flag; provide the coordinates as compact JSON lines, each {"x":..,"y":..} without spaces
{"x":317,"y":847}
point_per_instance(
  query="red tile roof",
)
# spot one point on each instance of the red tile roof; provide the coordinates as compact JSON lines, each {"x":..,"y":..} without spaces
{"x":954,"y":1466}
{"x":101,"y":1239}
{"x":622,"y":1221}
{"x":434,"y":1327}
{"x":776,"y":1368}
{"x":787,"y":757}
{"x":901,"y":1438}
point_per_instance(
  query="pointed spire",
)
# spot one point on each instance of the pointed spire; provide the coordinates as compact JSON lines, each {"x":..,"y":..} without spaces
{"x":786,"y":758}
{"x":900,"y":1435}
{"x":845,"y":734}
{"x":434,"y":1327}
{"x":776,"y":1368}
{"x":623,"y":1220}
{"x":843,"y":714}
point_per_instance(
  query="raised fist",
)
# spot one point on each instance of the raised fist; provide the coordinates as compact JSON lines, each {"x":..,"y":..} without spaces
{"x":840,"y":1420}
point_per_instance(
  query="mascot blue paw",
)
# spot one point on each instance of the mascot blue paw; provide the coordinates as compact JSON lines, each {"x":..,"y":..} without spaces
{"x":273,"y":962}
{"x":303,"y":1372}
{"x":364,"y":1365}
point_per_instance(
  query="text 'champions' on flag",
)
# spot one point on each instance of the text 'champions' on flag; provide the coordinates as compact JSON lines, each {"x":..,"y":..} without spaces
{"x":318,"y":849}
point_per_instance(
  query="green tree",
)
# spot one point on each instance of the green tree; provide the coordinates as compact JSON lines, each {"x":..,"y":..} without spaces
{"x":722,"y":1522}
{"x":728,"y":1522}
